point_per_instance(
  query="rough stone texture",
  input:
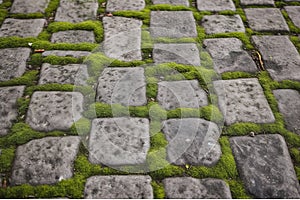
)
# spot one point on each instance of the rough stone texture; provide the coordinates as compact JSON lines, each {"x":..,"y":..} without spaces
{"x":1,"y":1}
{"x":73,"y":36}
{"x":216,"y":5}
{"x":243,"y":100}
{"x":172,"y":24}
{"x":280,"y":56}
{"x":76,"y":10}
{"x":22,"y":27}
{"x":29,"y":6}
{"x":265,"y":166}
{"x":172,"y":2}
{"x":289,"y":106}
{"x":186,"y":53}
{"x":294,"y":14}
{"x":181,"y":94}
{"x":119,"y":141}
{"x":126,"y":86}
{"x":45,"y":161}
{"x":122,"y":38}
{"x":75,"y":54}
{"x":192,"y":188}
{"x":118,"y":187}
{"x":257,"y":2}
{"x":50,"y":111}
{"x":228,"y":55}
{"x":8,"y":106}
{"x":117,"y":5}
{"x":13,"y":62}
{"x":222,"y":24}
{"x":74,"y":74}
{"x":266,"y":19}
{"x":192,"y":141}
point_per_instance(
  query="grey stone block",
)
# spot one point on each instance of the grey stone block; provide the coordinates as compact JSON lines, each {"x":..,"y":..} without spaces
{"x":216,"y":5}
{"x":265,"y":166}
{"x":29,"y":6}
{"x":73,"y":36}
{"x":117,"y":5}
{"x":45,"y":161}
{"x":294,"y":14}
{"x":61,"y":53}
{"x":172,"y":2}
{"x":257,"y":2}
{"x":222,"y":24}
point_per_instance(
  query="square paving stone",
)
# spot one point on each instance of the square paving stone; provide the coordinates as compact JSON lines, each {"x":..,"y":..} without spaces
{"x":265,"y":166}
{"x":192,"y":141}
{"x":119,"y":141}
{"x":13,"y":62}
{"x":8,"y":106}
{"x":266,"y":19}
{"x":172,"y":2}
{"x":192,"y":188}
{"x":257,"y":2}
{"x":22,"y":27}
{"x":60,"y":53}
{"x":280,"y":56}
{"x":118,"y":187}
{"x":228,"y":55}
{"x":29,"y":6}
{"x":216,"y":5}
{"x":126,"y":86}
{"x":294,"y":14}
{"x":222,"y":24}
{"x":45,"y":161}
{"x":50,"y":111}
{"x":181,"y":94}
{"x":117,"y":5}
{"x":172,"y":24}
{"x":73,"y":36}
{"x":243,"y":100}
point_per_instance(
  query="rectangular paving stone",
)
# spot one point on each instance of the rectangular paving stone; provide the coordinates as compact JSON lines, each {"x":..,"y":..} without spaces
{"x":216,"y":5}
{"x":229,"y":56}
{"x":122,"y":38}
{"x":121,"y":5}
{"x":280,"y":56}
{"x":172,"y":2}
{"x":243,"y":100}
{"x":73,"y":36}
{"x":172,"y":24}
{"x":257,"y":2}
{"x":265,"y":166}
{"x":61,"y":53}
{"x":294,"y":14}
{"x":29,"y":6}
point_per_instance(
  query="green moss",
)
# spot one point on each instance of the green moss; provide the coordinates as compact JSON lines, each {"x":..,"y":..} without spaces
{"x":29,"y":79}
{"x":295,"y":154}
{"x":291,"y":25}
{"x":14,"y":42}
{"x":26,"y":16}
{"x":36,"y":60}
{"x":236,"y":75}
{"x":23,"y":104}
{"x":6,"y":159}
{"x":57,"y":60}
{"x":297,"y":169}
{"x":238,"y":190}
{"x":141,"y":111}
{"x":206,"y":60}
{"x":142,"y":15}
{"x":152,"y":88}
{"x":240,"y":129}
{"x":85,"y":168}
{"x":81,"y":127}
{"x":3,"y":13}
{"x":50,"y":87}
{"x":156,"y":112}
{"x":64,"y":46}
{"x":158,"y":141}
{"x":52,"y":7}
{"x":158,"y":190}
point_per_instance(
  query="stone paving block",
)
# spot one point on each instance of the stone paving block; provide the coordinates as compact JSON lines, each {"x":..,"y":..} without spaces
{"x":181,"y":94}
{"x":45,"y":161}
{"x":126,"y":86}
{"x":22,"y":27}
{"x":228,"y":55}
{"x":73,"y":36}
{"x":222,"y":24}
{"x":186,"y":53}
{"x":50,"y":111}
{"x":119,"y":141}
{"x":172,"y":2}
{"x":76,"y":11}
{"x":8,"y":106}
{"x":243,"y":100}
{"x":1,"y":1}
{"x":61,"y":53}
{"x":280,"y":56}
{"x":216,"y":5}
{"x":118,"y":187}
{"x":192,"y":188}
{"x":117,"y":5}
{"x":13,"y":62}
{"x":257,"y":2}
{"x":265,"y":166}
{"x":75,"y":74}
{"x":29,"y":6}
{"x":292,"y":0}
{"x":289,"y":106}
{"x":294,"y":14}
{"x":172,"y":24}
{"x":192,"y":141}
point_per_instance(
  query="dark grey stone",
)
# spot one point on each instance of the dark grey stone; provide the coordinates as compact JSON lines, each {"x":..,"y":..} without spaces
{"x":265,"y":166}
{"x":29,"y":6}
{"x":294,"y":14}
{"x":222,"y":24}
{"x":116,"y":5}
{"x":257,"y":2}
{"x":172,"y":2}
{"x":216,"y":5}
{"x":73,"y":36}
{"x":61,"y":53}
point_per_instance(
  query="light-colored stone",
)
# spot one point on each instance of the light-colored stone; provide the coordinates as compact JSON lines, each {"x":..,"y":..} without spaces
{"x":294,"y":14}
{"x":73,"y":36}
{"x":222,"y":24}
{"x":172,"y":2}
{"x":257,"y":2}
{"x":216,"y":5}
{"x":121,"y":5}
{"x":29,"y":6}
{"x":61,"y":53}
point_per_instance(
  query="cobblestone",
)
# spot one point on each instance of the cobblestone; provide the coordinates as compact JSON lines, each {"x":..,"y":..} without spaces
{"x":217,"y":5}
{"x":115,"y":5}
{"x":29,"y":6}
{"x":60,"y":53}
{"x":73,"y":36}
{"x":294,"y":14}
{"x":257,"y":2}
{"x":172,"y":2}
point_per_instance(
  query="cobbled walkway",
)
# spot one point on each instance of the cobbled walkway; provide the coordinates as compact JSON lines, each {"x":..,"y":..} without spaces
{"x":149,"y":99}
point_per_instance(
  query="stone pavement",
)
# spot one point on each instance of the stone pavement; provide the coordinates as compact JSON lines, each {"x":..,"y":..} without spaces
{"x":149,"y":99}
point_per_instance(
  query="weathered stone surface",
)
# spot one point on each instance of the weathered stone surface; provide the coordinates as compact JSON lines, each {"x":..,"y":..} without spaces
{"x":125,"y":86}
{"x":222,"y":24}
{"x":289,"y":106}
{"x":75,"y":54}
{"x":192,"y":141}
{"x":280,"y":56}
{"x":186,"y":53}
{"x":228,"y":55}
{"x":50,"y":111}
{"x":172,"y":2}
{"x":73,"y":36}
{"x":118,"y":187}
{"x":76,"y":11}
{"x":216,"y":5}
{"x":8,"y":106}
{"x":13,"y":62}
{"x":45,"y":161}
{"x":122,"y":38}
{"x":29,"y":6}
{"x":257,"y":2}
{"x":1,"y":1}
{"x":294,"y":14}
{"x":266,"y":19}
{"x":172,"y":24}
{"x":265,"y":166}
{"x":181,"y":94}
{"x":117,"y":5}
{"x":22,"y":27}
{"x":66,"y":74}
{"x":243,"y":100}
{"x":119,"y":141}
{"x":192,"y":188}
